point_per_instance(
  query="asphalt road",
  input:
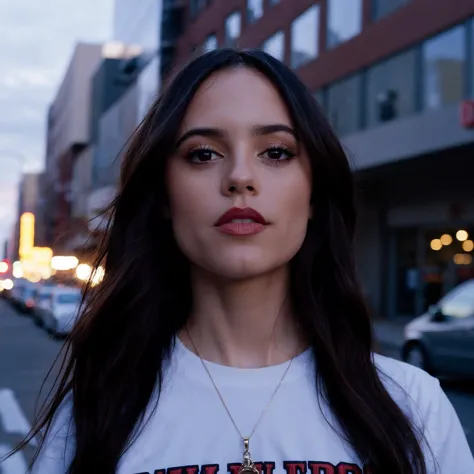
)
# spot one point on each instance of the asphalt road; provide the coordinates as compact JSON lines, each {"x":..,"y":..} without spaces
{"x":27,"y":353}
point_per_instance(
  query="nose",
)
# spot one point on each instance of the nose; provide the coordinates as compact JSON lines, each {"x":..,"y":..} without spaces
{"x":240,"y":178}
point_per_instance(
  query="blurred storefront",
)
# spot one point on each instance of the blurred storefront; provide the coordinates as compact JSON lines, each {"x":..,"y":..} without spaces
{"x":416,"y":236}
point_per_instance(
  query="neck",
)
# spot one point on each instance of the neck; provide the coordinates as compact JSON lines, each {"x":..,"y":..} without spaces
{"x":246,"y":323}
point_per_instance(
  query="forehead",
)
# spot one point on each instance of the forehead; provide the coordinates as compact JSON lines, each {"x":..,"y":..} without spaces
{"x":239,"y":95}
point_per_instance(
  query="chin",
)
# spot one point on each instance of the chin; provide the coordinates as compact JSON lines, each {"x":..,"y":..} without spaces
{"x":243,"y":267}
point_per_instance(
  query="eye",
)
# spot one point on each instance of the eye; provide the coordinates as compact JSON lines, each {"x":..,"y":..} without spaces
{"x":277,"y":153}
{"x":202,"y":155}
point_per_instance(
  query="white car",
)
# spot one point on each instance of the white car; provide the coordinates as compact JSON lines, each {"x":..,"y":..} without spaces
{"x":42,"y":303}
{"x":442,"y":340}
{"x":59,"y":311}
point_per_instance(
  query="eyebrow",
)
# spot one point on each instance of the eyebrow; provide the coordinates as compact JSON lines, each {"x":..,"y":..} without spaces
{"x":220,"y":133}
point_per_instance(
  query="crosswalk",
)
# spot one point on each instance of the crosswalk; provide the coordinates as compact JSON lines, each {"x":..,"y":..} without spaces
{"x":12,"y":422}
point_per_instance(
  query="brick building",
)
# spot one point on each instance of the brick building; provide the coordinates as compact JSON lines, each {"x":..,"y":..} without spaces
{"x":391,"y":76}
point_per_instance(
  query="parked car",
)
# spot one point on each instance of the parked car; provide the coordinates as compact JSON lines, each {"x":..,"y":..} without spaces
{"x":442,"y":340}
{"x":22,"y":295}
{"x":27,"y":298}
{"x":41,"y":303}
{"x":59,"y":311}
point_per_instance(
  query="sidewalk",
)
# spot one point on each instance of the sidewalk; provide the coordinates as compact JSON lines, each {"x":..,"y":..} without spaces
{"x":389,"y":333}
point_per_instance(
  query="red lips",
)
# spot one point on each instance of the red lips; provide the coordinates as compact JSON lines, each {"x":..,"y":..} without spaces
{"x":241,"y":222}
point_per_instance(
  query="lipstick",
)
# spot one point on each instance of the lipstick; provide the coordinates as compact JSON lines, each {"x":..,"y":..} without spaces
{"x":241,"y":222}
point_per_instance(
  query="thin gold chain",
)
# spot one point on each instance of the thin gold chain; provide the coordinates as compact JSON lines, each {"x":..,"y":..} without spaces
{"x":257,"y":423}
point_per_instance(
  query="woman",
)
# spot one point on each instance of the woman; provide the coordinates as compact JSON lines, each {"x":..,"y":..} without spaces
{"x":229,"y":333}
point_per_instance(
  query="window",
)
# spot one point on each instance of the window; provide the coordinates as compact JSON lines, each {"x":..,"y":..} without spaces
{"x":344,"y":21}
{"x":232,"y":29}
{"x":471,"y":59}
{"x":69,"y":298}
{"x":305,"y":37}
{"x":459,"y":303}
{"x":210,"y":44}
{"x":254,"y":10}
{"x":344,"y":105}
{"x":275,"y":45}
{"x":320,"y":96}
{"x":444,"y":59}
{"x":391,"y":88}
{"x":386,"y":7}
{"x":196,"y":6}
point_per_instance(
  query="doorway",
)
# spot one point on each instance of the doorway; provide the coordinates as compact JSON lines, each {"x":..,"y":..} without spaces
{"x":427,"y":263}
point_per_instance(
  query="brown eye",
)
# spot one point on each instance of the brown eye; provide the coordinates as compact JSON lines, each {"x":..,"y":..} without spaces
{"x":277,"y":154}
{"x":202,"y":155}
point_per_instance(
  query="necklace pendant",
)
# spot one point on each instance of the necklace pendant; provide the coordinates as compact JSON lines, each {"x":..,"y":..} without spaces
{"x":247,"y":467}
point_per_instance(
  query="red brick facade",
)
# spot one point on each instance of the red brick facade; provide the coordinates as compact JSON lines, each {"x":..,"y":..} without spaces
{"x":406,"y":26}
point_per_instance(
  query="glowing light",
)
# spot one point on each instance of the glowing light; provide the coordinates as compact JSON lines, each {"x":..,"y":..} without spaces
{"x":446,"y":239}
{"x":7,"y":284}
{"x":3,"y":267}
{"x":436,"y":244}
{"x":18,"y":272}
{"x":462,"y":235}
{"x":64,"y":263}
{"x":468,"y":246}
{"x":97,"y":276}
{"x":83,"y":271}
{"x":27,"y":234}
{"x":462,"y":259}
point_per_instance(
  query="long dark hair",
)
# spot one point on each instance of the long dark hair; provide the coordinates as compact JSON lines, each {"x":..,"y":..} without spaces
{"x":114,"y":357}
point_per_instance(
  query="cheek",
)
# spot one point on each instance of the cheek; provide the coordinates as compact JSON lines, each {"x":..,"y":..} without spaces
{"x":187,"y":209}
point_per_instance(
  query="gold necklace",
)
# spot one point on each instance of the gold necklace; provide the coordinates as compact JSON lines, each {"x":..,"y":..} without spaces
{"x":248,"y":466}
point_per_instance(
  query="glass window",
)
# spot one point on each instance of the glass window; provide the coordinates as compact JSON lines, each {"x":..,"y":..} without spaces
{"x":344,"y":21}
{"x":320,"y":96}
{"x":275,"y":45}
{"x":343,"y":105}
{"x":386,"y":7}
{"x":305,"y":37}
{"x":232,"y":28}
{"x":210,"y":44}
{"x":196,"y":6}
{"x":471,"y":60}
{"x":69,"y":298}
{"x":460,"y":302}
{"x":391,"y":88}
{"x":444,"y":60}
{"x":254,"y":10}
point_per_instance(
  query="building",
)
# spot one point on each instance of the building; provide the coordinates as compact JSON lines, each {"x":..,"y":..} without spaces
{"x":391,"y":76}
{"x":29,"y":200}
{"x":124,"y":89}
{"x":68,"y":136}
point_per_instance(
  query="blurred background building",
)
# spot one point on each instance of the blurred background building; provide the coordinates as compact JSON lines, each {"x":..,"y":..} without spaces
{"x":394,"y":77}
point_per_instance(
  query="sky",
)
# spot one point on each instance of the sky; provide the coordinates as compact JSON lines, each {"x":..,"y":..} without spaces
{"x":37,"y":39}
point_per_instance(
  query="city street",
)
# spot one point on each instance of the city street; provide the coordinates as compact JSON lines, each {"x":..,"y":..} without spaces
{"x":27,"y":352}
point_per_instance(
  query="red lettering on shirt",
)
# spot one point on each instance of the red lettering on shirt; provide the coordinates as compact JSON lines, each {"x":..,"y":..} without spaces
{"x":295,"y":467}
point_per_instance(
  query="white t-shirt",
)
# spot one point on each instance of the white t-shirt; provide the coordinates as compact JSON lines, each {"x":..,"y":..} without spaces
{"x":190,"y":432}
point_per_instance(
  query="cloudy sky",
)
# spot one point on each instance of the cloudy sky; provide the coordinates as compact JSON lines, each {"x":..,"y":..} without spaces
{"x":37,"y":38}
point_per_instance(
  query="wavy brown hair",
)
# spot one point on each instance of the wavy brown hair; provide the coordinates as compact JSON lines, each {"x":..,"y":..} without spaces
{"x":114,"y":358}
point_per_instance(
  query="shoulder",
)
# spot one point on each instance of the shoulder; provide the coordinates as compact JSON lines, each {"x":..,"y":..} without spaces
{"x":58,"y":445}
{"x":424,"y":402}
{"x":406,"y":383}
{"x":416,"y":392}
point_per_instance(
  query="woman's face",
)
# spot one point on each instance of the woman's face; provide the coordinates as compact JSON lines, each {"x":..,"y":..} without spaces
{"x":239,"y":183}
